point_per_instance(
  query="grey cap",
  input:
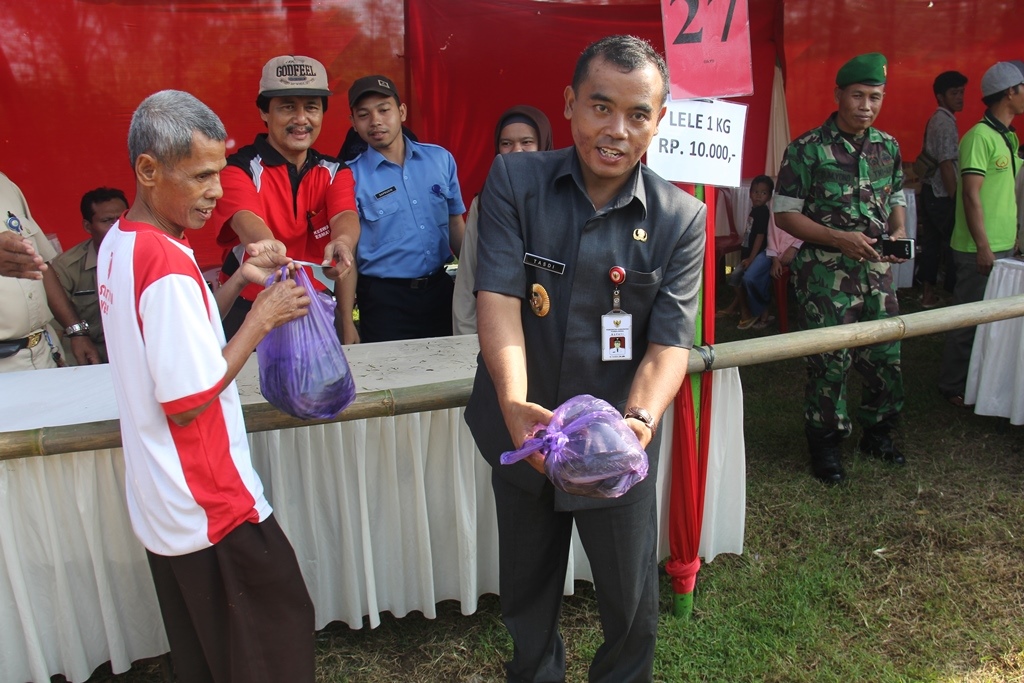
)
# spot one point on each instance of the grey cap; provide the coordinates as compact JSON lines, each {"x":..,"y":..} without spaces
{"x":294,"y":75}
{"x":999,"y":77}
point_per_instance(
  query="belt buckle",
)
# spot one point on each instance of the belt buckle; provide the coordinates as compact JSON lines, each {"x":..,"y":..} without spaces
{"x":34,"y":339}
{"x":419,"y":282}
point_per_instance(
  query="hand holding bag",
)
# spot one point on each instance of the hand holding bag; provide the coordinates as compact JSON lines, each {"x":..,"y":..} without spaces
{"x":589,"y":449}
{"x":303,"y":369}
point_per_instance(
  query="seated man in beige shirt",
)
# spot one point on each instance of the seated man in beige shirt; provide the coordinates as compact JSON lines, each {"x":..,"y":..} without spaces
{"x":31,"y":295}
{"x":76,"y":267}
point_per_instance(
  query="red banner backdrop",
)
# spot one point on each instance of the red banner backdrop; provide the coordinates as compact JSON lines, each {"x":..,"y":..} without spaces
{"x":471,"y":61}
{"x":72,"y":72}
{"x":921,"y":39}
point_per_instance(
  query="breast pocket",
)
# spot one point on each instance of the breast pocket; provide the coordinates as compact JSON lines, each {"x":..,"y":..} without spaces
{"x":379,"y":222}
{"x":640,"y":288}
{"x":439,"y":196}
{"x":832,"y":192}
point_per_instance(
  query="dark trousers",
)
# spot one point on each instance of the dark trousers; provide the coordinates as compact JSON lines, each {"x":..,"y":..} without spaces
{"x":238,"y":611}
{"x":235,"y":317}
{"x":939,"y":215}
{"x":533,"y":543}
{"x":956,"y":356}
{"x":393,"y":309}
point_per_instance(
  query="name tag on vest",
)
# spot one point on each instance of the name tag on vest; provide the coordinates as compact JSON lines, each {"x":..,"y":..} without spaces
{"x":556,"y":267}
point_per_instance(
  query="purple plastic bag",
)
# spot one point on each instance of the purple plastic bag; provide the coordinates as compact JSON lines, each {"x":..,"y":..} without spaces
{"x":589,"y":449}
{"x":303,"y":370}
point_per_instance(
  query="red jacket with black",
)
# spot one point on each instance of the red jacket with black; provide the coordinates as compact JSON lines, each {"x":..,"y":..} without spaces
{"x":296,"y":204}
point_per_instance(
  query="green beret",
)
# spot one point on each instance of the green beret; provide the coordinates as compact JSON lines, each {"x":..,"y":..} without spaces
{"x":868,"y":69}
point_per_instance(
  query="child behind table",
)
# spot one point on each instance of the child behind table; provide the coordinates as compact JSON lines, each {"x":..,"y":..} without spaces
{"x":752,"y":278}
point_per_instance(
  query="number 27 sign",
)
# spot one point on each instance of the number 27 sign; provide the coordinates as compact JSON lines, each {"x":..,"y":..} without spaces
{"x":707,"y":46}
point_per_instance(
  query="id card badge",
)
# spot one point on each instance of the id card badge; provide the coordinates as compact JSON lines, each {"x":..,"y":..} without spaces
{"x":616,"y":324}
{"x":616,"y":336}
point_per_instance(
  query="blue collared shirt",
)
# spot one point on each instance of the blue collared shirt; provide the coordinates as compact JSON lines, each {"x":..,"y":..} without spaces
{"x":404,"y":210}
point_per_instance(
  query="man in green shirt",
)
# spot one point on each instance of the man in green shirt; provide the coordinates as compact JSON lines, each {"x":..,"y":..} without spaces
{"x":986,"y":210}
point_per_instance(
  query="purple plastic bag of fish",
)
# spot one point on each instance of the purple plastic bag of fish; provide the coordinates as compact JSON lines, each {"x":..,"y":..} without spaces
{"x":303,"y":369}
{"x":589,"y":449}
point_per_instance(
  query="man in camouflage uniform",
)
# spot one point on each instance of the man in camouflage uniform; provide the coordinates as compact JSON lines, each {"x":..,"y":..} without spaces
{"x":840,"y":190}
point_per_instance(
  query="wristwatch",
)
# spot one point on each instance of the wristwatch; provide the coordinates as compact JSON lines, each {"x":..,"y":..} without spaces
{"x":79,"y":329}
{"x":641,"y":414}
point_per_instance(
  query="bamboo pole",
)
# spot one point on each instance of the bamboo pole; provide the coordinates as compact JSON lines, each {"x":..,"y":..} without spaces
{"x":261,"y":417}
{"x":806,"y":342}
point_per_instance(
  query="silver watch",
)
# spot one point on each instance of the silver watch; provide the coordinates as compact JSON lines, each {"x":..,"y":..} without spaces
{"x":642,"y":414}
{"x":79,"y":329}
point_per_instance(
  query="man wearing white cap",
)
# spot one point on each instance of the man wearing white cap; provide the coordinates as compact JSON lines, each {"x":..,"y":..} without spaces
{"x":986,"y":211}
{"x":280,"y":188}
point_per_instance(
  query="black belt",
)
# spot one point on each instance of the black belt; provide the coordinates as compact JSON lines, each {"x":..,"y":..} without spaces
{"x":411,"y":283}
{"x":12,"y":346}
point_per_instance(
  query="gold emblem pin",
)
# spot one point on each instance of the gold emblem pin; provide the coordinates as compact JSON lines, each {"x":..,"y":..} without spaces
{"x":540,"y":302}
{"x":640,"y":235}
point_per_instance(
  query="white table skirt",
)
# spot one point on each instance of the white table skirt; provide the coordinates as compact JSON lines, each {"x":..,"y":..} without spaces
{"x":995,"y":380}
{"x":388,"y":514}
{"x":903,"y":273}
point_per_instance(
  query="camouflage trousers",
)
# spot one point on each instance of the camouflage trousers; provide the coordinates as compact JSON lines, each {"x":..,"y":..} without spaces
{"x":834,"y":290}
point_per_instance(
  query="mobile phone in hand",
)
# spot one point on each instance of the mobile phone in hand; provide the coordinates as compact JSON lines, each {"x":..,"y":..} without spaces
{"x":901,"y":248}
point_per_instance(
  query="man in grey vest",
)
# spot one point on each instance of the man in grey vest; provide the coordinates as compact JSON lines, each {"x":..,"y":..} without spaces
{"x":559,"y":232}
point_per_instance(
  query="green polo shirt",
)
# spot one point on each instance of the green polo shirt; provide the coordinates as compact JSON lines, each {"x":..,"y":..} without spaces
{"x":989,"y":150}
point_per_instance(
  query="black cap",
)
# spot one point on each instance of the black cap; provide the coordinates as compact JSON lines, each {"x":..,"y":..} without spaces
{"x":947,"y":80}
{"x":382,"y":85}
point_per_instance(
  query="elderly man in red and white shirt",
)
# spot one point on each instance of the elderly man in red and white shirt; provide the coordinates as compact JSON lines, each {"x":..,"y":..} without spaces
{"x":233,"y":599}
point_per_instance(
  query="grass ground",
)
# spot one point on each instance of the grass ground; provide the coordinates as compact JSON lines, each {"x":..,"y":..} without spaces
{"x":912,"y":574}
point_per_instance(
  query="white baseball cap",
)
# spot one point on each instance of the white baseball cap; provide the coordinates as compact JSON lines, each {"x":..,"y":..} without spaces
{"x":294,"y":75}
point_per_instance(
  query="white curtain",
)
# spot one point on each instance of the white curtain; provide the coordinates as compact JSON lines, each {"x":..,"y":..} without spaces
{"x":778,"y":126}
{"x":386,"y":514}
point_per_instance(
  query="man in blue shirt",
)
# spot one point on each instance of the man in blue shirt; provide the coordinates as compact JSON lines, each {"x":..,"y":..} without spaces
{"x":410,"y":211}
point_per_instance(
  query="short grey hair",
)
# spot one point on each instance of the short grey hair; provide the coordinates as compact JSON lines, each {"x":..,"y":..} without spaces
{"x":163,"y":125}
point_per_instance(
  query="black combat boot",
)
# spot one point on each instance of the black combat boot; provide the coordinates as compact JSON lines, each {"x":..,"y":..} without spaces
{"x":877,"y":443}
{"x":825,"y":455}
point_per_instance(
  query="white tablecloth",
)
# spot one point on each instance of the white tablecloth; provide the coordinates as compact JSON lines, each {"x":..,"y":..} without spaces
{"x":388,"y":514}
{"x":995,"y":380}
{"x":903,"y":273}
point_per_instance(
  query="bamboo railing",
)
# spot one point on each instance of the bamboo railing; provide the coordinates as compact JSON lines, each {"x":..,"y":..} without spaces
{"x":262,"y":417}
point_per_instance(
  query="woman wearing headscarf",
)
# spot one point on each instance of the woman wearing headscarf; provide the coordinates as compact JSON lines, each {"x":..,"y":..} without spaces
{"x":520,"y":129}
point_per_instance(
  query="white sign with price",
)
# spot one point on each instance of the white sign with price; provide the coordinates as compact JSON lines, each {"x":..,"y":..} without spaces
{"x":700,"y":141}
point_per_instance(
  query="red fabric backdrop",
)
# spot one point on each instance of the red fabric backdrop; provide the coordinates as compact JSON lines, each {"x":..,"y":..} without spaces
{"x":921,"y":39}
{"x":72,"y":71}
{"x":470,"y":61}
